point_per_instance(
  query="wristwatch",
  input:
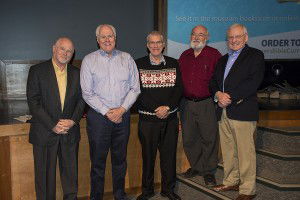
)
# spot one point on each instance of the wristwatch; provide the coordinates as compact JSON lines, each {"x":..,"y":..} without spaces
{"x":216,"y":99}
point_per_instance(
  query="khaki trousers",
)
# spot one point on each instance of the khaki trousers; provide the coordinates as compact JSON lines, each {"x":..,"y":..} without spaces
{"x":239,"y":156}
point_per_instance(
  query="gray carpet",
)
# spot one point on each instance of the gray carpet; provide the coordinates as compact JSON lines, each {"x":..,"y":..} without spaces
{"x":264,"y":192}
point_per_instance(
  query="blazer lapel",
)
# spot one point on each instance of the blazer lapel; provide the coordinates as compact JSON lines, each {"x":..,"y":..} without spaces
{"x":54,"y":86}
{"x":237,"y":62}
{"x":69,"y":84}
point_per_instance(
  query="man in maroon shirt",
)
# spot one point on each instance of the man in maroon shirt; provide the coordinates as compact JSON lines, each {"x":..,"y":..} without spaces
{"x":199,"y":123}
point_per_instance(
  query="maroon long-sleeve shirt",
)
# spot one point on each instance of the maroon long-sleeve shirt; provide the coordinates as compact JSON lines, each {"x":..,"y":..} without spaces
{"x":197,"y":71}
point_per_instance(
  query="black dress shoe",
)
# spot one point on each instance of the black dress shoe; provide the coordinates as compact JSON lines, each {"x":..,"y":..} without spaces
{"x":171,"y":196}
{"x":209,"y":180}
{"x":145,"y":196}
{"x":190,"y":173}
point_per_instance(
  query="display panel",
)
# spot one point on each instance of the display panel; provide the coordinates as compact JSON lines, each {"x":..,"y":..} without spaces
{"x":273,"y":26}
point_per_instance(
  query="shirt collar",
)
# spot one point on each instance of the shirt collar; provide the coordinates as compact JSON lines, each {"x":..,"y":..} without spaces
{"x":162,"y":60}
{"x":113,"y":53}
{"x":231,"y":52}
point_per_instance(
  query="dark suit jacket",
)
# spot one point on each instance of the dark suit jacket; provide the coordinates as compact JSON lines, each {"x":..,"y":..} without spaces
{"x":241,"y":84}
{"x":45,"y":107}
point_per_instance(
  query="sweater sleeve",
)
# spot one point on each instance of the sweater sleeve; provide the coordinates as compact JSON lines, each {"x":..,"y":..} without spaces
{"x":178,"y":89}
{"x":146,"y":100}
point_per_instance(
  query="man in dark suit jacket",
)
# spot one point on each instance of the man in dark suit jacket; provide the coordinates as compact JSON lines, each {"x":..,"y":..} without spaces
{"x":237,"y":77}
{"x":55,"y":102}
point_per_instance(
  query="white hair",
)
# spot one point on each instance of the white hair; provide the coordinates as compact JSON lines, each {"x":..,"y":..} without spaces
{"x":238,"y":25}
{"x":108,"y":25}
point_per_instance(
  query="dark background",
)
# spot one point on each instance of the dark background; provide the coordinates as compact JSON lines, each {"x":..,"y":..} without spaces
{"x":28,"y":28}
{"x":289,"y":71}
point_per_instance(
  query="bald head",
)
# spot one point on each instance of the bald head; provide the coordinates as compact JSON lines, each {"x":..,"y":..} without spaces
{"x":64,"y":40}
{"x":199,"y":36}
{"x":201,"y":27}
{"x":62,"y":50}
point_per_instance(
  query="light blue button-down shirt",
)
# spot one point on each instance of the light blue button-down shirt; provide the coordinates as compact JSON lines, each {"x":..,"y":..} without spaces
{"x":109,"y":81}
{"x":232,"y":56}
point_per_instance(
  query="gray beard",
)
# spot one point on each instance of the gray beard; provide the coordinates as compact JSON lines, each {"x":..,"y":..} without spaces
{"x":199,"y":46}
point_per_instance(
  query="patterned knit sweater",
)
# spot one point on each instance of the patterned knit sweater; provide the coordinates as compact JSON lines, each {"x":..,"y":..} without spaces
{"x":161,"y":85}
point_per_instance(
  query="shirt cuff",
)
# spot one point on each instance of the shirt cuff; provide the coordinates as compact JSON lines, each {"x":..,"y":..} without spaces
{"x":104,"y":110}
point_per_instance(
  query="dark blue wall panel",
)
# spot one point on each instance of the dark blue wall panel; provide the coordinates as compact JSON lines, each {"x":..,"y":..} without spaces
{"x":28,"y":28}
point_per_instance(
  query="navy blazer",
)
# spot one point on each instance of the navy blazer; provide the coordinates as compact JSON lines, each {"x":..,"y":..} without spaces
{"x":45,"y":106}
{"x":241,"y":84}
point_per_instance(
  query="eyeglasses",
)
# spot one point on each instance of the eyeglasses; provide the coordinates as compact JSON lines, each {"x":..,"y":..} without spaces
{"x":158,"y":43}
{"x":63,"y":50}
{"x":238,"y":37}
{"x":105,"y":37}
{"x":198,"y":35}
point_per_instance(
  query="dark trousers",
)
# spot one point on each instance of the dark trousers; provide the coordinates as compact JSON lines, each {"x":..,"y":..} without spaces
{"x":162,"y":136}
{"x":200,"y":134}
{"x":104,"y":135}
{"x":45,"y":158}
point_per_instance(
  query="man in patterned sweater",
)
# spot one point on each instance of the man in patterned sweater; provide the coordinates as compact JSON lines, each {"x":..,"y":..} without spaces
{"x":161,"y":90}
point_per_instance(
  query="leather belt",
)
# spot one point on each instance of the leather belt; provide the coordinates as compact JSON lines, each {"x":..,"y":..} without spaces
{"x":197,"y":99}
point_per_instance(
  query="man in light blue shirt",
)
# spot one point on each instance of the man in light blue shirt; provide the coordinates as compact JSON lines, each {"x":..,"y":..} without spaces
{"x":110,"y":85}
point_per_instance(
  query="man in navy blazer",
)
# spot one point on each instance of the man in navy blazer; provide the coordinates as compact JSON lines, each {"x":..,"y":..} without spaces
{"x":56,"y":105}
{"x":237,"y":77}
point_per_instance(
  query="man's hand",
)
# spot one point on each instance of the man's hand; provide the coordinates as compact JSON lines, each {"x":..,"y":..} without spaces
{"x":224,"y":99}
{"x":67,"y":123}
{"x":59,"y":129}
{"x":63,"y":126}
{"x":115,"y":114}
{"x":162,"y":112}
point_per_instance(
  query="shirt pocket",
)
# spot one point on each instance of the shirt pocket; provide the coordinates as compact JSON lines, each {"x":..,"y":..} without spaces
{"x":99,"y":79}
{"x":206,"y":72}
{"x":122,"y":73}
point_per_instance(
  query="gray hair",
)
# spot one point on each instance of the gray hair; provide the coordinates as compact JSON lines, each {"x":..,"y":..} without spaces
{"x":152,"y":33}
{"x":238,"y":25}
{"x":108,"y":25}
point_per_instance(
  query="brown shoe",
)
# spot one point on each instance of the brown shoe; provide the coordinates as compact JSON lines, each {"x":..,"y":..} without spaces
{"x":245,"y":197}
{"x":223,"y":188}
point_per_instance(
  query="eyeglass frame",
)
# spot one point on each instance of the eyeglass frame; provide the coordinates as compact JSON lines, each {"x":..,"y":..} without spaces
{"x":238,"y":37}
{"x":203,"y":35}
{"x":158,"y":43}
{"x":105,"y":37}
